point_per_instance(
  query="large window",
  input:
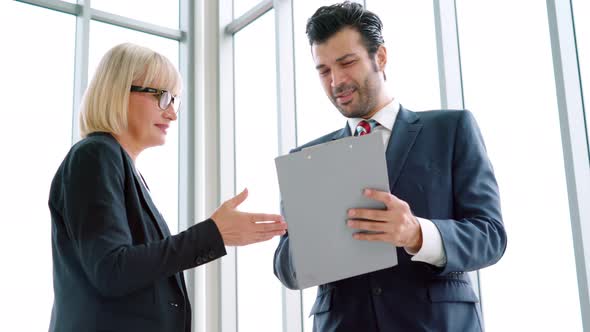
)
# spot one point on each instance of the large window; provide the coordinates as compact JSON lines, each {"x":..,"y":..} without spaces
{"x":37,"y":133}
{"x":509,"y":85}
{"x":256,"y":144}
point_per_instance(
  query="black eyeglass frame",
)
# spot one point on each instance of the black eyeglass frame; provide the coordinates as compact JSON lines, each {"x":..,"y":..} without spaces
{"x":161,"y":98}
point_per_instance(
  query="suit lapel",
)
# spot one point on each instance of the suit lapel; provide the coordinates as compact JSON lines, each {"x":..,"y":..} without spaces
{"x":405,"y":130}
{"x":160,"y":224}
{"x":142,"y":185}
{"x":345,"y":132}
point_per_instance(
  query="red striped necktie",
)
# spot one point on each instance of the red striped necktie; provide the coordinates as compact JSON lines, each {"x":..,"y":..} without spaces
{"x":365,"y":127}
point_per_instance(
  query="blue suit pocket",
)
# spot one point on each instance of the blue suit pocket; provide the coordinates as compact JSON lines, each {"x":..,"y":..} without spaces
{"x":451,"y":291}
{"x":323,"y":302}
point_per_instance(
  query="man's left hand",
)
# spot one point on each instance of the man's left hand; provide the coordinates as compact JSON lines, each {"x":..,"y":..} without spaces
{"x":395,"y":225}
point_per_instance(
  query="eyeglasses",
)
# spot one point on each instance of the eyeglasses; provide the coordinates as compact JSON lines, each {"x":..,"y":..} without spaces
{"x":165,"y":98}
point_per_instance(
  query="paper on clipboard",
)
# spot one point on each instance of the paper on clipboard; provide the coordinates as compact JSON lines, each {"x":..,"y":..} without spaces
{"x":318,"y":185}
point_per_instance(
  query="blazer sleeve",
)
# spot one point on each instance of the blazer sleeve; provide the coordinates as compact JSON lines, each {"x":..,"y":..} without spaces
{"x":96,"y":222}
{"x":283,"y":266}
{"x":476,"y":237}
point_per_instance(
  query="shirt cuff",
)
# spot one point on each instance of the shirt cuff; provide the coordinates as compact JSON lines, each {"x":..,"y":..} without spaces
{"x":432,"y":250}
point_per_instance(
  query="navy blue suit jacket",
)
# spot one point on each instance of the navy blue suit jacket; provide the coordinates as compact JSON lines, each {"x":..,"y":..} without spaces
{"x":437,"y":163}
{"x":115,"y":265}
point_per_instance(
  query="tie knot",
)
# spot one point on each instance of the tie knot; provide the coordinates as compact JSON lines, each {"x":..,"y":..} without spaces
{"x":365,"y":127}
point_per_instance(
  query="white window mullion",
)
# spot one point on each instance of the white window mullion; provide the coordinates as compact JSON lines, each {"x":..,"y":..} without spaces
{"x":222,"y":276}
{"x":80,"y":63}
{"x":449,"y":66}
{"x":190,"y":186}
{"x":574,"y":141}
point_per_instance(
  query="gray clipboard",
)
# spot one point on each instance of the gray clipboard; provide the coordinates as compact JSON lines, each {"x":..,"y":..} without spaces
{"x":318,"y":185}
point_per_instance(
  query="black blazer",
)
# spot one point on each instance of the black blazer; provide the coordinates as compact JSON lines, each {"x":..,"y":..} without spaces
{"x":115,"y":265}
{"x":437,"y":163}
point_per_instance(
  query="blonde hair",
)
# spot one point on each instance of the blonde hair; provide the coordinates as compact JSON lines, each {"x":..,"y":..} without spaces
{"x":105,"y":102}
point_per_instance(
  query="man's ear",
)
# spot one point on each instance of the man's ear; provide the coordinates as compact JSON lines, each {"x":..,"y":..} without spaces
{"x":381,"y":56}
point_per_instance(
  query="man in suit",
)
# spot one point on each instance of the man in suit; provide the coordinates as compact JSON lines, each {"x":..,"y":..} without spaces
{"x":442,"y":213}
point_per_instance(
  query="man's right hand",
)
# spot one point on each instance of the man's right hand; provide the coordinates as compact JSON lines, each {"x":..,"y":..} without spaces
{"x":242,"y":228}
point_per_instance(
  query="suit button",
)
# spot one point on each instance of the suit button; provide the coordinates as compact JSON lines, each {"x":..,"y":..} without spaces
{"x":174,"y":304}
{"x":211,"y":254}
{"x":199,"y":260}
{"x":377,"y":291}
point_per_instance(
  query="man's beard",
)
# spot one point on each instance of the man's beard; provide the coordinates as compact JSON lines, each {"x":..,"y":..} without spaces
{"x":365,"y":102}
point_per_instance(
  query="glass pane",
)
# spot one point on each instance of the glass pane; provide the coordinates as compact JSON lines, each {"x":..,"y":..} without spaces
{"x":159,"y":165}
{"x":412,"y":66}
{"x":37,"y":79}
{"x":509,"y":85}
{"x":159,"y":12}
{"x":242,"y":6}
{"x":256,"y":139}
{"x":581,"y":11}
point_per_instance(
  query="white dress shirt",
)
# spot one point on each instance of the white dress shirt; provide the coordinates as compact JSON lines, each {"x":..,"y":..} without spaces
{"x":432,"y":250}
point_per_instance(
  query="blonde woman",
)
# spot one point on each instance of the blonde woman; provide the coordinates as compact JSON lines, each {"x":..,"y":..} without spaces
{"x":116,"y":267}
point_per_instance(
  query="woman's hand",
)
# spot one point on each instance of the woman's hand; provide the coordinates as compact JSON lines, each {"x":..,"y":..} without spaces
{"x":242,"y":228}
